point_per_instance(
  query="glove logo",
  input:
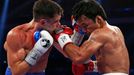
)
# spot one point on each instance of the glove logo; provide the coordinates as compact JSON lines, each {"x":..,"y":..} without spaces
{"x":63,"y":38}
{"x":35,"y":57}
{"x":45,"y":43}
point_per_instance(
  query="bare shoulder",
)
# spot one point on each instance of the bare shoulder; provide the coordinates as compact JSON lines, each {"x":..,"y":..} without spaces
{"x":98,"y":35}
{"x":117,"y":29}
{"x":106,"y":34}
{"x":15,"y":38}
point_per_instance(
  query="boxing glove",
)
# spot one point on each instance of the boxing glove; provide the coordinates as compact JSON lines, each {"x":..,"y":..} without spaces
{"x":41,"y":47}
{"x":62,"y":36}
{"x":78,"y":69}
{"x":78,"y":35}
{"x":37,"y":35}
{"x":92,"y":66}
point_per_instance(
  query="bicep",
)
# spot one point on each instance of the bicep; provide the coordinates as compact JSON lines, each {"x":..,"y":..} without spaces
{"x":15,"y":57}
{"x":91,"y":46}
{"x":82,"y":53}
{"x":16,"y":61}
{"x":15,"y":51}
{"x":86,"y":50}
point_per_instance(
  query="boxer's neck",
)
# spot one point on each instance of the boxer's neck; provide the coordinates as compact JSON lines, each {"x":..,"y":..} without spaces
{"x":33,"y":25}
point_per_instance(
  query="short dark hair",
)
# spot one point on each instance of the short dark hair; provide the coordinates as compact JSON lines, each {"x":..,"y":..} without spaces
{"x":46,"y":9}
{"x":89,"y":8}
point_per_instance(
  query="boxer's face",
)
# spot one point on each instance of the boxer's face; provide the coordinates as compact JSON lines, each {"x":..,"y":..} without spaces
{"x":87,"y":24}
{"x":52,"y":23}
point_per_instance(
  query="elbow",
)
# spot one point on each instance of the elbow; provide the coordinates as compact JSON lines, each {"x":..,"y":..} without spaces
{"x":76,"y":61}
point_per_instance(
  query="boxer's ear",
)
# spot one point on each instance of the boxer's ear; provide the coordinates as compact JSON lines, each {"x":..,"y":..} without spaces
{"x":42,"y":21}
{"x":99,"y":20}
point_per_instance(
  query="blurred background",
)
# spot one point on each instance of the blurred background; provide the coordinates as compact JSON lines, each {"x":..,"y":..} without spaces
{"x":14,"y":12}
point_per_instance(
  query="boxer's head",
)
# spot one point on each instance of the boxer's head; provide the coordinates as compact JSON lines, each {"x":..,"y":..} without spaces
{"x":47,"y":13}
{"x":89,"y":14}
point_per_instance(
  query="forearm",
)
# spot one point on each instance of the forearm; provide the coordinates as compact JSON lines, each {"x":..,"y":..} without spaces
{"x":74,"y":53}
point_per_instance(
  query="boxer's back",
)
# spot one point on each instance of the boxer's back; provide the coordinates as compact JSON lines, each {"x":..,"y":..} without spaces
{"x":23,"y":35}
{"x":113,"y":56}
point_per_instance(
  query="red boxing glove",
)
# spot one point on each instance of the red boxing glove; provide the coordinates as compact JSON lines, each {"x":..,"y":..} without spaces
{"x":78,"y":69}
{"x":62,"y":36}
{"x":67,"y":30}
{"x":91,"y":66}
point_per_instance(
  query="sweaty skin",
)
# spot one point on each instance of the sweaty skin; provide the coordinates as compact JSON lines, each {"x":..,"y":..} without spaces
{"x":107,"y":43}
{"x":18,"y":44}
{"x":113,"y":56}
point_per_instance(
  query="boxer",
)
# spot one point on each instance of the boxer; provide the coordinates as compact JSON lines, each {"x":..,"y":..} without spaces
{"x":106,"y":42}
{"x":28,"y":45}
{"x":77,"y":37}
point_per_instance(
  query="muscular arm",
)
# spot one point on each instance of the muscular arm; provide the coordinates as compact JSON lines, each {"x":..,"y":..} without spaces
{"x":83,"y":53}
{"x":16,"y":52}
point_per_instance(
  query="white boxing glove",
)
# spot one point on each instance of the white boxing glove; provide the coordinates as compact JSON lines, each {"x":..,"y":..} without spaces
{"x":62,"y":36}
{"x":78,"y":35}
{"x":40,"y":48}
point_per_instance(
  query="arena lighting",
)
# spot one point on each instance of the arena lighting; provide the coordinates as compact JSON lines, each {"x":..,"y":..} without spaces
{"x":3,"y":19}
